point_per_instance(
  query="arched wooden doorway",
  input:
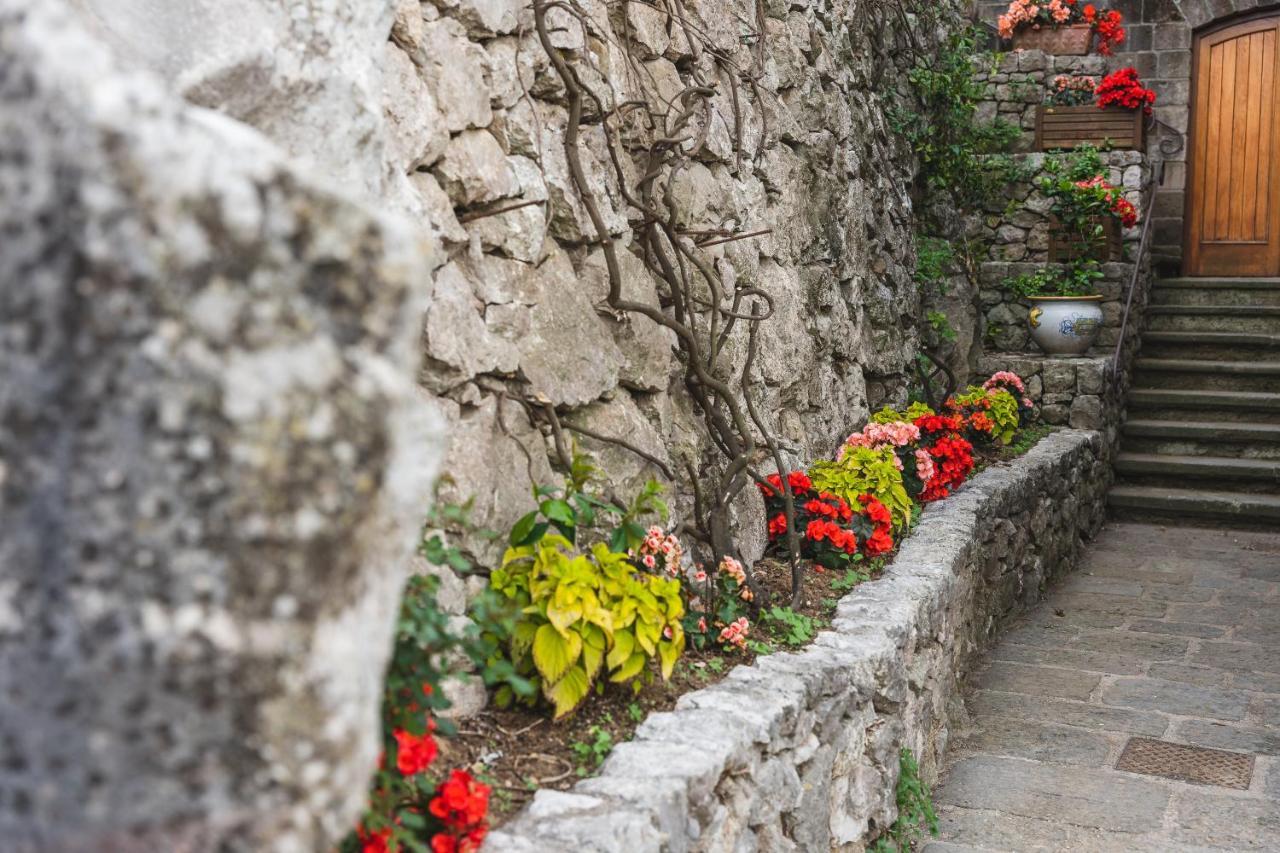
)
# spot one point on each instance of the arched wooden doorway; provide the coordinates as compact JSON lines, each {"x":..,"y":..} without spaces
{"x":1233,"y":182}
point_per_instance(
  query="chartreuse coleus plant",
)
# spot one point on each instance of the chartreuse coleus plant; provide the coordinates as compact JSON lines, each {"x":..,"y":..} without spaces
{"x":864,"y":471}
{"x":999,"y":406}
{"x":889,"y":415}
{"x":587,"y":614}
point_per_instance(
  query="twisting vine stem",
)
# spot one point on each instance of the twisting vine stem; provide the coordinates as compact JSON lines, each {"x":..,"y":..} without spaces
{"x":700,"y":311}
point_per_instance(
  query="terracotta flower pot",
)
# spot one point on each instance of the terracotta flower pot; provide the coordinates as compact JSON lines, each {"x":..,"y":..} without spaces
{"x":1064,"y":128}
{"x":1075,"y":40}
{"x":1065,"y":325}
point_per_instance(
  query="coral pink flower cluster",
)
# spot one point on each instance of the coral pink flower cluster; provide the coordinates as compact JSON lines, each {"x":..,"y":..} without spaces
{"x":731,"y":567}
{"x":660,"y":552}
{"x":896,"y":434}
{"x":875,"y":435}
{"x":735,"y":633}
{"x":1010,"y":382}
{"x":924,"y":466}
{"x":1028,"y":11}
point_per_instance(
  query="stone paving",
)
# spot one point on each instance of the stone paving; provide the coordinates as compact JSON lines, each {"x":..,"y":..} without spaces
{"x":1171,"y":633}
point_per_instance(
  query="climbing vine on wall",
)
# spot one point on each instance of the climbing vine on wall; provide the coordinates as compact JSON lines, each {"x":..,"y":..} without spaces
{"x":663,"y":137}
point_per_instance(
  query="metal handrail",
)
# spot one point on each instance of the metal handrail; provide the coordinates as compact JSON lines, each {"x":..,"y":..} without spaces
{"x":1148,"y":208}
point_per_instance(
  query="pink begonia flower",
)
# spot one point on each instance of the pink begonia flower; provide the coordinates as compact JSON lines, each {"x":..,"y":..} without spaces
{"x":924,"y":466}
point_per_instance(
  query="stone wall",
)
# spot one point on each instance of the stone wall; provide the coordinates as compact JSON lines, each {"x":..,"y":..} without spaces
{"x":1160,"y":34}
{"x":519,"y":302}
{"x":796,"y":144}
{"x":800,"y":750}
{"x":214,"y":460}
{"x":1065,"y":391}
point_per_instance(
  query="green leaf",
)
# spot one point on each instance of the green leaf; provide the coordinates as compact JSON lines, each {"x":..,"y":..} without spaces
{"x":521,"y":530}
{"x":669,"y":652}
{"x":593,"y":650}
{"x":553,"y":652}
{"x":624,"y":644}
{"x":559,"y":510}
{"x":569,"y":691}
{"x":630,"y":669}
{"x":458,"y":561}
{"x":618,"y":540}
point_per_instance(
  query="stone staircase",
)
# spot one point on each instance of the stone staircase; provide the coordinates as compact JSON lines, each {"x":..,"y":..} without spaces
{"x":1201,"y":442}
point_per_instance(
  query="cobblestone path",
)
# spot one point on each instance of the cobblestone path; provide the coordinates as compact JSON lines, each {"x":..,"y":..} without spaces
{"x":1167,"y":633}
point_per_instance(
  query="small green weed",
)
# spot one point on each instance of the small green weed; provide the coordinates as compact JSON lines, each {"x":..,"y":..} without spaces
{"x":915,"y":810}
{"x":591,"y":754}
{"x":851,"y":578}
{"x":790,"y":627}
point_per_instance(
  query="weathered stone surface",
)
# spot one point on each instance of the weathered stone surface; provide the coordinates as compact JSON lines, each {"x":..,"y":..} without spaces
{"x":1067,"y":712}
{"x":417,"y":136}
{"x":308,"y":75}
{"x":1226,"y":823}
{"x":454,"y":68}
{"x":475,"y":169}
{"x":215,"y":462}
{"x":1107,"y":800}
{"x":1039,"y":681}
{"x":1056,"y":744}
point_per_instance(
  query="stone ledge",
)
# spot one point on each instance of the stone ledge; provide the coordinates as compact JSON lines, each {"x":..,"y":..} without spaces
{"x":799,"y":751}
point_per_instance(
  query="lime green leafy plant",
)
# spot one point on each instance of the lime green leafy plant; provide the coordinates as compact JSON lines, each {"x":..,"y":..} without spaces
{"x":582,"y":614}
{"x":999,"y":405}
{"x":863,"y":471}
{"x":889,"y":415}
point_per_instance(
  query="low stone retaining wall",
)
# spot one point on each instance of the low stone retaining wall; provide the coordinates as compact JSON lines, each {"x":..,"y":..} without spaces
{"x":799,"y":751}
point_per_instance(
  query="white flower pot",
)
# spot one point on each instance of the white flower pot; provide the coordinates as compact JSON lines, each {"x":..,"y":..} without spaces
{"x":1065,"y":325}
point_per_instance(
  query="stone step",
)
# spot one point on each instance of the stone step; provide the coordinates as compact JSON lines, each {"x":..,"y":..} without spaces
{"x":1207,"y":374}
{"x":1202,"y":438}
{"x":1216,"y":291}
{"x":1221,"y":346}
{"x":1137,"y":502}
{"x":1201,"y":401}
{"x":1233,"y":473}
{"x":1263,"y":319}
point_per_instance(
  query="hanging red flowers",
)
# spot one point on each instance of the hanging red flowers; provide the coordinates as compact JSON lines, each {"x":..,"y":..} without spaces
{"x":1123,"y":89}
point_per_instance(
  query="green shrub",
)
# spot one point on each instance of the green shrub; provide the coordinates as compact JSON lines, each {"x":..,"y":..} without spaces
{"x":889,"y":415}
{"x":999,"y":406}
{"x":863,"y":471}
{"x":1074,"y":279}
{"x":584,"y":613}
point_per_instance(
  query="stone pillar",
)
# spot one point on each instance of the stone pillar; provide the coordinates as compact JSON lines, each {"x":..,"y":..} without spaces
{"x":213,"y":463}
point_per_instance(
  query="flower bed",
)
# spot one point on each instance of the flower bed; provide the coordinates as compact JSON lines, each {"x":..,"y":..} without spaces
{"x":802,"y":748}
{"x":594,"y":617}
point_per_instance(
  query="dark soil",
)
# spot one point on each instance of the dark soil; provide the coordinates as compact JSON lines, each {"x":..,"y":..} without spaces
{"x":519,"y":750}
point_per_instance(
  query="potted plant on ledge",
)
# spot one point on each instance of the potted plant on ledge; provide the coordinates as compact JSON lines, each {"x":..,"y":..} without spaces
{"x":1061,"y":27}
{"x":1078,"y":112}
{"x":1066,"y":310}
{"x":1086,"y":211}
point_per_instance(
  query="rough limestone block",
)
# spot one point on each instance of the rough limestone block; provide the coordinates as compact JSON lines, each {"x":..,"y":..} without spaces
{"x":215,"y":464}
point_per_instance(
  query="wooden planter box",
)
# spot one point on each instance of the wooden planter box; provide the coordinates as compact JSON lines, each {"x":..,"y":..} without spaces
{"x":1064,"y":248}
{"x":1075,"y":40}
{"x":1071,"y":127}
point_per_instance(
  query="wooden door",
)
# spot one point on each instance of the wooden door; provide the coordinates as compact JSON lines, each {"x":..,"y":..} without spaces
{"x":1233,"y":183}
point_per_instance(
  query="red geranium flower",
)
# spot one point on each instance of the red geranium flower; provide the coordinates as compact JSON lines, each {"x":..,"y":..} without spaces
{"x":374,"y":842}
{"x":414,"y":753}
